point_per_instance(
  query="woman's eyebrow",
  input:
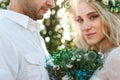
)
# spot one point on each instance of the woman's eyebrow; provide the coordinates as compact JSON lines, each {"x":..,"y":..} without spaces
{"x":91,"y":13}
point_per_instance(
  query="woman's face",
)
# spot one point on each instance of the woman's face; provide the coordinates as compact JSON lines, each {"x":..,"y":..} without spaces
{"x":90,"y":23}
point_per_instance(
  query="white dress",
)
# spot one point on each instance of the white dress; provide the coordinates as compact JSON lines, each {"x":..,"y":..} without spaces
{"x":111,"y":67}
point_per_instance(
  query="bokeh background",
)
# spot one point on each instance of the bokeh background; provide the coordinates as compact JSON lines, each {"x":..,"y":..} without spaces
{"x":56,"y":26}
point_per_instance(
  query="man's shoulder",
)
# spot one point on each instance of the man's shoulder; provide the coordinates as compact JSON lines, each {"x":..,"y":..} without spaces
{"x":4,"y":17}
{"x":3,"y":20}
{"x":3,"y":23}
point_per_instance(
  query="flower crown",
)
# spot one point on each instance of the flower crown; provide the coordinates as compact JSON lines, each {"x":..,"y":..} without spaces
{"x":112,"y":5}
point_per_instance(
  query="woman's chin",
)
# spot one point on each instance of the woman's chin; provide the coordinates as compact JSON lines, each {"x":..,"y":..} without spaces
{"x":91,"y":43}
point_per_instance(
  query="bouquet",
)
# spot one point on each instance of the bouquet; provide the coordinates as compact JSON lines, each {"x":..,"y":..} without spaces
{"x":73,"y":64}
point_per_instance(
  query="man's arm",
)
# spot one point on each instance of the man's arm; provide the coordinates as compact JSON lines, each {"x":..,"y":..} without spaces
{"x":8,"y":68}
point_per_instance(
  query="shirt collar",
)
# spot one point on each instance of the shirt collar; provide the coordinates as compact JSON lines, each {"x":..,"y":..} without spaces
{"x":21,"y":19}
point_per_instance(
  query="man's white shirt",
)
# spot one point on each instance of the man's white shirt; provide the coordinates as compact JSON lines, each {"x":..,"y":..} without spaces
{"x":22,"y":50}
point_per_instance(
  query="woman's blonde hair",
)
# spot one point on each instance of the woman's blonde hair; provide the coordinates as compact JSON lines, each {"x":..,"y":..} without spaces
{"x":110,"y":20}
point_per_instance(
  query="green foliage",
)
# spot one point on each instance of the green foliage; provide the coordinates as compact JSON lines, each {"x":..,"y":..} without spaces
{"x":112,"y":5}
{"x":4,"y":4}
{"x":50,"y":26}
{"x":50,"y":31}
{"x":73,"y":64}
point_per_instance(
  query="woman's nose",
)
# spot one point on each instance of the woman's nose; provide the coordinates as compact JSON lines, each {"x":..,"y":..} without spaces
{"x":86,"y":25}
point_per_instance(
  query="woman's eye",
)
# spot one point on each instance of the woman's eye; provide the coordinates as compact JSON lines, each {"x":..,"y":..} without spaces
{"x":79,"y":20}
{"x":94,"y":17}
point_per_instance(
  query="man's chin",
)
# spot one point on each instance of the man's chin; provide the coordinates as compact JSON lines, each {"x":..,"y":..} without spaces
{"x":40,"y":17}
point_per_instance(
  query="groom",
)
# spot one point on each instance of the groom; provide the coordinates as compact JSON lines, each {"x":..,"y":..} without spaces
{"x":22,"y":50}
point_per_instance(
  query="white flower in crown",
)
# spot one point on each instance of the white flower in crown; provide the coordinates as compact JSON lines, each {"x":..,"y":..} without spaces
{"x":113,"y":2}
{"x":106,"y":2}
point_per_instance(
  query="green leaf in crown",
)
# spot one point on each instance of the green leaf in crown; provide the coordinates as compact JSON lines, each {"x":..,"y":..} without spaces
{"x":112,"y":5}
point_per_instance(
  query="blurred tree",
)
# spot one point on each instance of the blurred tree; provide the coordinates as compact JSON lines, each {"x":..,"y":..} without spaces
{"x":52,"y":34}
{"x":4,"y":3}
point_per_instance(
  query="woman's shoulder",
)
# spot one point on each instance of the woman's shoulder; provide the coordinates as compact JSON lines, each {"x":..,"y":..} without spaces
{"x":115,"y":51}
{"x":114,"y":55}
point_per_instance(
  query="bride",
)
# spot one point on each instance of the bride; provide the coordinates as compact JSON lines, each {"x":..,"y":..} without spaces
{"x":98,"y":23}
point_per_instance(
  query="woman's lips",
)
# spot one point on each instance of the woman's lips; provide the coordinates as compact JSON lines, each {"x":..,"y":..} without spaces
{"x":90,"y":35}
